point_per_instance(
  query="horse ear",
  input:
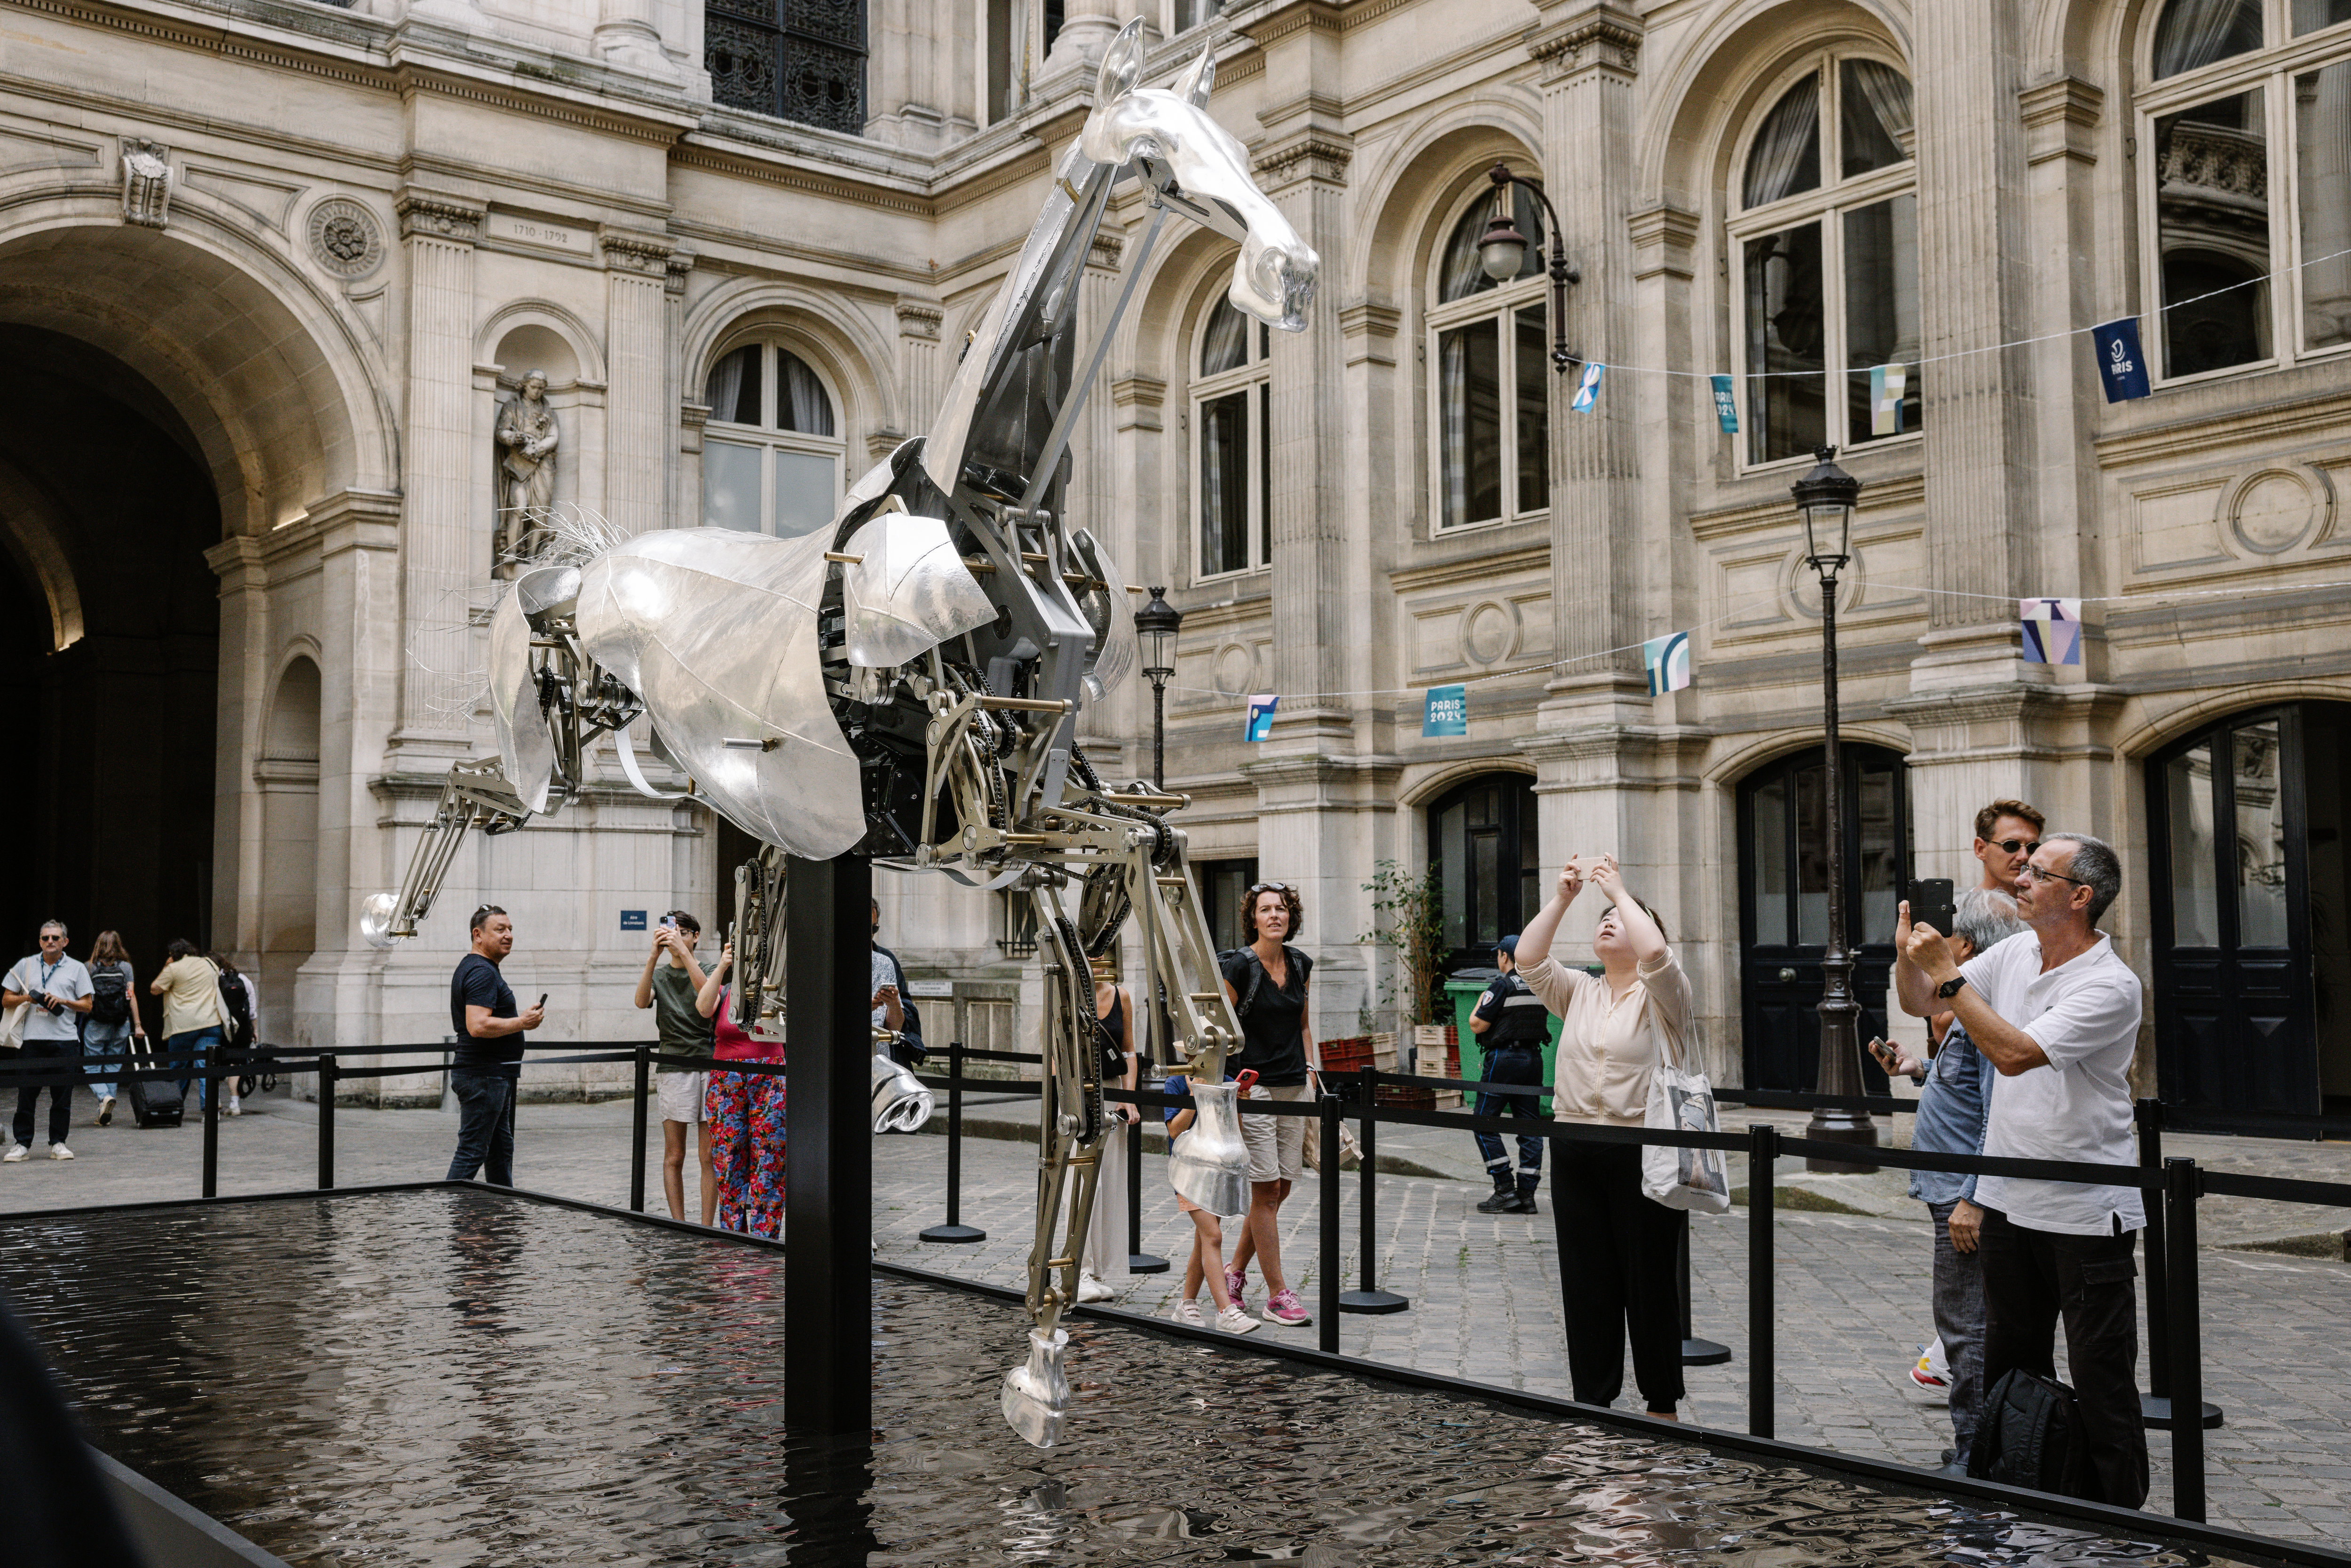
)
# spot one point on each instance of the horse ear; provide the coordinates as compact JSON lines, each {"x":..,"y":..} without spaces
{"x":1193,"y":85}
{"x":1122,"y":65}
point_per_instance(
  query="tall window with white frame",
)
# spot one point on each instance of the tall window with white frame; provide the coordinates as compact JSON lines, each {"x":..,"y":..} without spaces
{"x":1490,"y":392}
{"x":772,"y":452}
{"x":1825,"y":250}
{"x":1232,"y":430}
{"x":2250,"y":261}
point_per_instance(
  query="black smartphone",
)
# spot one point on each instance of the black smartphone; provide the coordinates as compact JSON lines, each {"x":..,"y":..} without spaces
{"x":541,"y":1002}
{"x":1932,"y":904}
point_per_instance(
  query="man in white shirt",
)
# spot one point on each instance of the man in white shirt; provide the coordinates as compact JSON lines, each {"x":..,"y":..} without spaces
{"x":2058,"y":1011}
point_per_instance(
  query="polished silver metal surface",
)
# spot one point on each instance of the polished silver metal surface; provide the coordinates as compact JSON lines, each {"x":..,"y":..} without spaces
{"x":900,"y":1104}
{"x":1208,"y":1163}
{"x":1274,"y":275}
{"x":1036,"y":1395}
{"x":526,"y":745}
{"x":907,"y":592}
{"x":717,"y":631}
{"x":1108,"y":609}
{"x":376,"y":913}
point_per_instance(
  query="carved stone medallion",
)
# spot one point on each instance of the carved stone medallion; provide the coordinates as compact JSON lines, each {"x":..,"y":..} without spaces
{"x":345,"y":238}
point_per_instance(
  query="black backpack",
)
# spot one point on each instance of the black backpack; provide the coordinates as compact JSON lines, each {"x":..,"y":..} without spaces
{"x":2030,"y":1435}
{"x":237,"y":1010}
{"x":109,"y":993}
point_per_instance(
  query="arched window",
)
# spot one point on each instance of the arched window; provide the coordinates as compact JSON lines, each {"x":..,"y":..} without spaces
{"x":2226,"y":80}
{"x":771,"y":455}
{"x":1232,"y":424}
{"x":1826,"y":246}
{"x":1491,"y":388}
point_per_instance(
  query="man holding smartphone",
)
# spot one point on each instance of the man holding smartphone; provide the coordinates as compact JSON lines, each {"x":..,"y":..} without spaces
{"x":1954,"y":1109}
{"x":672,"y":979}
{"x":486,"y":1070}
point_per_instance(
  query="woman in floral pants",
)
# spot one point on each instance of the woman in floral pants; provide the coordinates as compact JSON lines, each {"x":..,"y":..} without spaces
{"x":742,"y":1115}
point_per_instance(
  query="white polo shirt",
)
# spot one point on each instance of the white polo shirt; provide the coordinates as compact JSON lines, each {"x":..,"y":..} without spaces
{"x":2084,"y":1015}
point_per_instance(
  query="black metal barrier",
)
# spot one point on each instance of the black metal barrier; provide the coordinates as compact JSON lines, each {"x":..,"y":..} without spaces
{"x":2174,"y":1309}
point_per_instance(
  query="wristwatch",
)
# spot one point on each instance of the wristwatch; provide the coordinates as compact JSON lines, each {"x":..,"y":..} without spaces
{"x":1951,"y":987}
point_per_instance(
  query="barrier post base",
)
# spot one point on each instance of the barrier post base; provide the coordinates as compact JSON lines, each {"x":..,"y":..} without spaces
{"x":954,"y":1233}
{"x":1373,"y":1302}
{"x":2154,"y":1413}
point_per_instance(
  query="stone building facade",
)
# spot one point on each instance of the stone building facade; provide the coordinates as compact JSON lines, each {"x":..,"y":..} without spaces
{"x":269,"y":269}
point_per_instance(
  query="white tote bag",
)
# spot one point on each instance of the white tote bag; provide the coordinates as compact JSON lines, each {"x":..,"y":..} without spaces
{"x":1694,"y":1179}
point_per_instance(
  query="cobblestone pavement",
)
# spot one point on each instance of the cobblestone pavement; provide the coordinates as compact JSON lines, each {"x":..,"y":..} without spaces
{"x":1852,"y":1288}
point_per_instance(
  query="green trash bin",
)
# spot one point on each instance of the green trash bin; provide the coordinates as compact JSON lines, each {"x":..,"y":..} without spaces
{"x":1463,"y":990}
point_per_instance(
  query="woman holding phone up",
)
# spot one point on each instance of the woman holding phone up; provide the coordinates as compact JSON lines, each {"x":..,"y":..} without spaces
{"x":1620,"y":1248}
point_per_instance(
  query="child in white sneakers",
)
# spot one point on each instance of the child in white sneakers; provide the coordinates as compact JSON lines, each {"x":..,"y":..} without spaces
{"x":1207,"y":1260}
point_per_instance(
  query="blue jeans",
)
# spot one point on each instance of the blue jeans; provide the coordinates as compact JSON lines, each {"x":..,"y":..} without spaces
{"x":203,"y":1042}
{"x":1512,"y":1064}
{"x":486,"y":1122}
{"x":104,"y":1039}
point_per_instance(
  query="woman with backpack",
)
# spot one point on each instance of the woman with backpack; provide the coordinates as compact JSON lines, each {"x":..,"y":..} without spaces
{"x":113,"y":1017}
{"x":1266,"y":982}
{"x":194,"y":1022}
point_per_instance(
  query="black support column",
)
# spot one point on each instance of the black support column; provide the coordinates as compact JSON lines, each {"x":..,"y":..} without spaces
{"x":828,"y":1211}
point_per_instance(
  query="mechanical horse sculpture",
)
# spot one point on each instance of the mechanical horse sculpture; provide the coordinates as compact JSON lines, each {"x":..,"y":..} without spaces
{"x":906,"y":684}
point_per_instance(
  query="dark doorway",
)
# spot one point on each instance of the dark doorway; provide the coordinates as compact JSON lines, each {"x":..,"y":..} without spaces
{"x":2252,"y":957}
{"x":109,"y":795}
{"x":1785,"y":907}
{"x":1221,"y":883}
{"x":1484,"y":845}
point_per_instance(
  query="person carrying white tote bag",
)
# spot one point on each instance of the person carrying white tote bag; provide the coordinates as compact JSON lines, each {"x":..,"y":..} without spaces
{"x":1682,"y":1102}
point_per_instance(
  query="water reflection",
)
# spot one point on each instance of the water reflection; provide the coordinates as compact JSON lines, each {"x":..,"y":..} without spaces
{"x":447,"y":1377}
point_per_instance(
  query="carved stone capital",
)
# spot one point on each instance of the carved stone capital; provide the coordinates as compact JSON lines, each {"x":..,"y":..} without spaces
{"x":439,"y":217}
{"x":1310,"y":155}
{"x":146,"y":182}
{"x":1589,"y":37}
{"x":677,"y":264}
{"x":2060,"y":119}
{"x":1663,"y":237}
{"x":645,"y":254}
{"x":919,"y":319}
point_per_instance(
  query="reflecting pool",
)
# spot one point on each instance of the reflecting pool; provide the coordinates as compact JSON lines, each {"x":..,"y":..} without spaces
{"x":454,"y":1377}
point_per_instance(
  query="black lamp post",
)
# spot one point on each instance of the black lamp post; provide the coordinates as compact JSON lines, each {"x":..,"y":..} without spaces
{"x":1825,"y":498}
{"x":1502,"y":252}
{"x":1156,"y":623}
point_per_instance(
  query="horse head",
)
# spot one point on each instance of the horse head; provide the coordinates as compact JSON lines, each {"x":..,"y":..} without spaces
{"x":1202,"y":172}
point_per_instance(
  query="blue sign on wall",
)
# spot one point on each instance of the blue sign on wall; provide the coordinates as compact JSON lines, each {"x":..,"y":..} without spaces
{"x":1446,"y":711}
{"x":632,"y":920}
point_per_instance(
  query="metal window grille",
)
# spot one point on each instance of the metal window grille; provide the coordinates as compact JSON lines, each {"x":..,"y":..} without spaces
{"x":801,"y":61}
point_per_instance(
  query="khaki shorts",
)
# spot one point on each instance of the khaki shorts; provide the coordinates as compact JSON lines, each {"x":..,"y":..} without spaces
{"x":1276,"y":1145}
{"x":679,"y":1094}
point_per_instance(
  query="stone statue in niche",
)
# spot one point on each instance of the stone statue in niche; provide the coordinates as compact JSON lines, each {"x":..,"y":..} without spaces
{"x":527,"y":436}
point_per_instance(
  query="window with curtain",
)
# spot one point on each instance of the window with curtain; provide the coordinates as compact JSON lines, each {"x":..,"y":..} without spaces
{"x":772,"y":451}
{"x":1826,"y":242}
{"x":2250,"y":258}
{"x":1232,"y":429}
{"x":1489,"y":356}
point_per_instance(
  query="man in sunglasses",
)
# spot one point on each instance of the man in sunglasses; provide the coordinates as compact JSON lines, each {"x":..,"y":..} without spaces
{"x":2056,"y":1010}
{"x":2007,"y":832}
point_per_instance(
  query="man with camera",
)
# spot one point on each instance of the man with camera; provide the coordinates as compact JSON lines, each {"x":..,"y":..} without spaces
{"x":54,"y":986}
{"x":2056,"y":1011}
{"x":670,"y":984}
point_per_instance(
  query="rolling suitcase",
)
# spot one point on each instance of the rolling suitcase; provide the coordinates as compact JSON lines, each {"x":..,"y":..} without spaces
{"x":154,"y":1101}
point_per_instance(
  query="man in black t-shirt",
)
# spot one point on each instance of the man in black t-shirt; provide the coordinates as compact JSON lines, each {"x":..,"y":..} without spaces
{"x":488,"y":1067}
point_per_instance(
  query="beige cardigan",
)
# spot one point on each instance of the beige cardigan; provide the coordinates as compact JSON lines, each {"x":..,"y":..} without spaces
{"x":1609,"y":1046}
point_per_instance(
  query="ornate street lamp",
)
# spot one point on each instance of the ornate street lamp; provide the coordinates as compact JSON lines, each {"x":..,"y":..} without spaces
{"x":1503,"y":251}
{"x":1156,"y":623}
{"x":1824,"y":498}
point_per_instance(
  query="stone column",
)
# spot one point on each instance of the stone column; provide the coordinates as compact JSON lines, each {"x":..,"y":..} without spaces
{"x":921,"y":369}
{"x":1087,"y":28}
{"x":637,"y":339}
{"x":439,"y":557}
{"x":1976,"y":288}
{"x":628,"y":37}
{"x":1586,"y":54}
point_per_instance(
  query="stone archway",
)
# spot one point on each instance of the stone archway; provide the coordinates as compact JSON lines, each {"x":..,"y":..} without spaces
{"x":169,"y":390}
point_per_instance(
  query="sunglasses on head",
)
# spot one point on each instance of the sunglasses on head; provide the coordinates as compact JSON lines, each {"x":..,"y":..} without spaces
{"x":1257,"y":888}
{"x":2009,"y":846}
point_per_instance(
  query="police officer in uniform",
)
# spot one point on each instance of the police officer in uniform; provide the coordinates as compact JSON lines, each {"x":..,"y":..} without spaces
{"x":1511,"y":1025}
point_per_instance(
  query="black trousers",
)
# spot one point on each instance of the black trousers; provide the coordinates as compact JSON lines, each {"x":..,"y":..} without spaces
{"x":1618,"y":1259}
{"x":55,"y":1054}
{"x":2030,"y":1279}
{"x":485,"y":1123}
{"x":1512,"y":1064}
